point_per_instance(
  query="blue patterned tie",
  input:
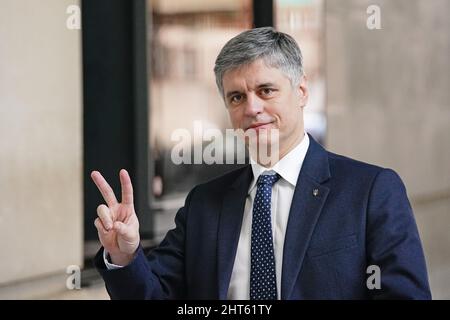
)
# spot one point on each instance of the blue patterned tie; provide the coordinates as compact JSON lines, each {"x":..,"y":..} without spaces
{"x":263,"y":284}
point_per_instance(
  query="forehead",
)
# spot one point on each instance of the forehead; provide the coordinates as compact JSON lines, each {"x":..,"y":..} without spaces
{"x":251,"y":75}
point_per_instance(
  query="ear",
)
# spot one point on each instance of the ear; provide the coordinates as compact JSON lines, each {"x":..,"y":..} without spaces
{"x":303,"y":91}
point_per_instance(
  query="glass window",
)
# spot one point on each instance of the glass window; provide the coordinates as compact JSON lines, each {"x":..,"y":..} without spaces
{"x":185,"y":36}
{"x":304,"y":20}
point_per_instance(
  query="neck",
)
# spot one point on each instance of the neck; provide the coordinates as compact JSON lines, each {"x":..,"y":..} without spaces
{"x":292,"y":145}
{"x":274,"y":157}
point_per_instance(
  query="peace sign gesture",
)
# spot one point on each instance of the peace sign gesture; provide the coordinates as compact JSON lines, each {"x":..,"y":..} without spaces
{"x":117,"y":223}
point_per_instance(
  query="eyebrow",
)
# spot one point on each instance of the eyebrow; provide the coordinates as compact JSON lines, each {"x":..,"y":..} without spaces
{"x":262,"y":85}
{"x":267,"y":84}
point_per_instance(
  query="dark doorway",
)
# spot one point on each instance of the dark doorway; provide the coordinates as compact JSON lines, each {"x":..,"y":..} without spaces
{"x":115,"y":103}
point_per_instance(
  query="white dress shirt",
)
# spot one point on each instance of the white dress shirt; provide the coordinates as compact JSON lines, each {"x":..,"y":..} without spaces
{"x":282,"y":192}
{"x":109,"y":265}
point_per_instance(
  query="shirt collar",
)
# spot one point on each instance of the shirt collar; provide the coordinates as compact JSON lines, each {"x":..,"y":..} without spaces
{"x":287,"y":167}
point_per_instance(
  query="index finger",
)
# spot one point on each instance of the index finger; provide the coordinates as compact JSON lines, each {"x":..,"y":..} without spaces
{"x":104,"y":188}
{"x":127,"y":187}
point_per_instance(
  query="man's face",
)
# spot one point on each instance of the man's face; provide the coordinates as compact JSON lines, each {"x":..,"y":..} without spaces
{"x":259,"y":97}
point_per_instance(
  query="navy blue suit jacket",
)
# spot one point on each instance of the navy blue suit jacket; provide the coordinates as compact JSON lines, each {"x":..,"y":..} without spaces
{"x":359,"y":217}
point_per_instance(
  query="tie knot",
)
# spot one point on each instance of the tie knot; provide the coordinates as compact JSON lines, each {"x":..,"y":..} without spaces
{"x":268,"y":179}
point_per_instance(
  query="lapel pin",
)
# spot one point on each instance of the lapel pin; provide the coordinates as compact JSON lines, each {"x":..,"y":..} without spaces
{"x":315,"y":192}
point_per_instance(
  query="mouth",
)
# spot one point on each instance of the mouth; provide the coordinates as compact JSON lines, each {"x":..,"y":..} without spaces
{"x":259,"y":126}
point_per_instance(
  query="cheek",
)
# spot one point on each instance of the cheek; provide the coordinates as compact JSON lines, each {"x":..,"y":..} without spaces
{"x":286,"y":115}
{"x":280,"y":115}
{"x":235,"y":119}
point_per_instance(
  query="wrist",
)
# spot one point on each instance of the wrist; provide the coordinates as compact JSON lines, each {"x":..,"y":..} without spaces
{"x":121,"y":259}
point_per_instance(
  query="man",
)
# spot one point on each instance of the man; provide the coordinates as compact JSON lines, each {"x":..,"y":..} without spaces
{"x":308,"y":226}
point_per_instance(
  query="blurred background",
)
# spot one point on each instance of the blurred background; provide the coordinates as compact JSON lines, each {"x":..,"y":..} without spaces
{"x":109,"y":93}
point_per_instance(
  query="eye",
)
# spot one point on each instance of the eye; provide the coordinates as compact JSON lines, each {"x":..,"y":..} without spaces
{"x":267,"y":92}
{"x":236,"y":99}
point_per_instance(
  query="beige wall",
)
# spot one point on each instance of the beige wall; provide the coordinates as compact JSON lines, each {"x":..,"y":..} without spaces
{"x":388,"y":103}
{"x":41,"y":140}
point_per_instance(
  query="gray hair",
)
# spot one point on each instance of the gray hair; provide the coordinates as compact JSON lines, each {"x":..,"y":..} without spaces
{"x":277,"y":49}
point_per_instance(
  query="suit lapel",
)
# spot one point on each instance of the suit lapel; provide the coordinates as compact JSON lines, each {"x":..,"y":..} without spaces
{"x":230,"y":227}
{"x":307,"y":203}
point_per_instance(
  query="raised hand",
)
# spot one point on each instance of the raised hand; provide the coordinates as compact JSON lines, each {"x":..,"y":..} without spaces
{"x":117,"y":223}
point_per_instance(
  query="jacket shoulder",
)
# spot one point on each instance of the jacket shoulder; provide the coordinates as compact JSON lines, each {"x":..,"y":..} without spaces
{"x":342,"y":163}
{"x":345,"y":167}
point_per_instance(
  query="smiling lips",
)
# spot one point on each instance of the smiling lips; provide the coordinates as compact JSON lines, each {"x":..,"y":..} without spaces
{"x":259,"y":125}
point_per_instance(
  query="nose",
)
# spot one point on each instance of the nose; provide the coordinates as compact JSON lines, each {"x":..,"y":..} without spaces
{"x":254,"y":105}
